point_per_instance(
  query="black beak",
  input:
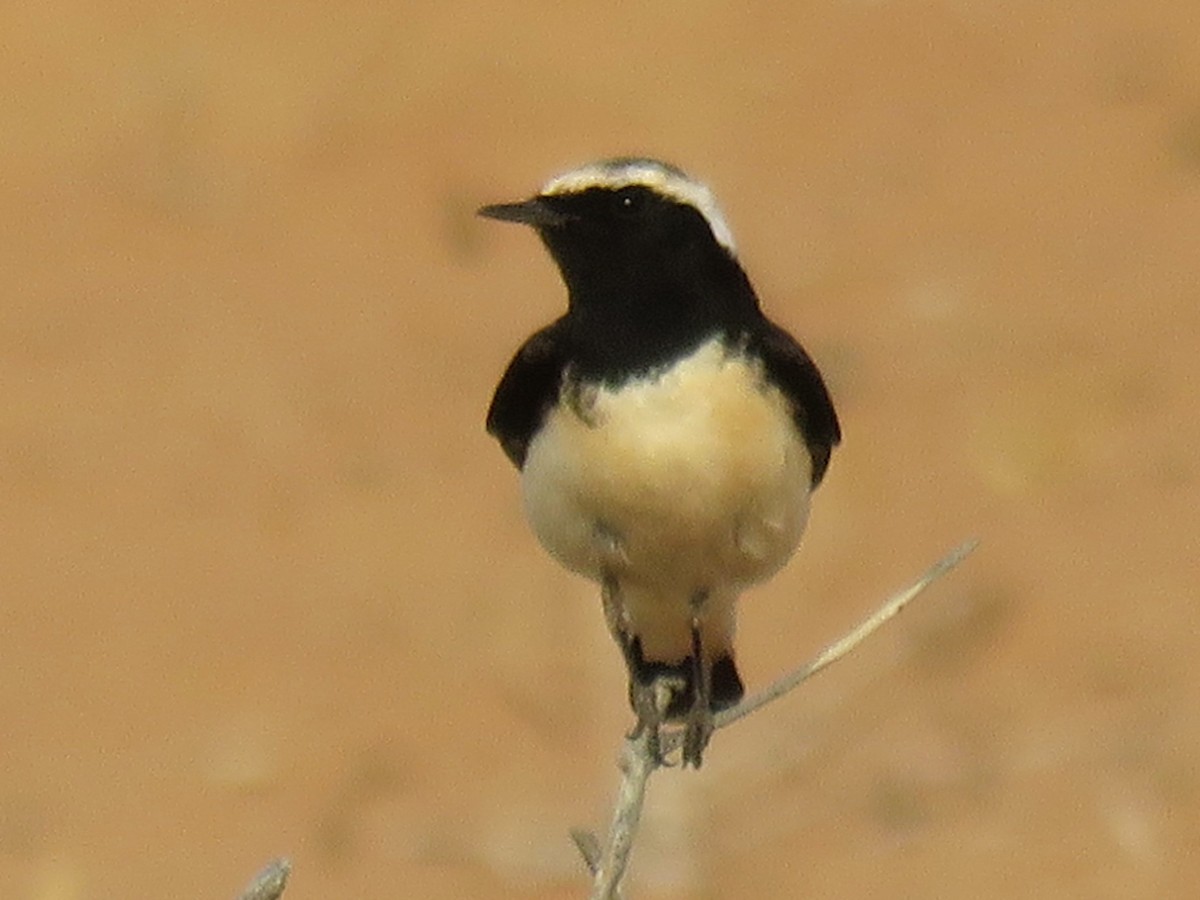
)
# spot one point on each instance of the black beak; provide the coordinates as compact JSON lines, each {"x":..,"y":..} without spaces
{"x":535,"y":211}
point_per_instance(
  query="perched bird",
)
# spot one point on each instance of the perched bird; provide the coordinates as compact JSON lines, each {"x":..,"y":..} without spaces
{"x":667,"y":432}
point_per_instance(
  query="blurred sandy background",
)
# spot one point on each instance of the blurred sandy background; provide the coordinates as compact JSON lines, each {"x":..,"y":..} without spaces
{"x":264,"y":584}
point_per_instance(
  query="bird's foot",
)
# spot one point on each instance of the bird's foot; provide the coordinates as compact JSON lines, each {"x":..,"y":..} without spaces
{"x":650,"y":702}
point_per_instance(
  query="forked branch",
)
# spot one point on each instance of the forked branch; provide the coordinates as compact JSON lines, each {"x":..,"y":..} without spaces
{"x":643,"y":752}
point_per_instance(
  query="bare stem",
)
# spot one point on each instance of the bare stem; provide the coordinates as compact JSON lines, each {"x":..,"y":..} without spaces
{"x":589,"y":848}
{"x":639,"y":759}
{"x":643,"y":752}
{"x":838,"y":649}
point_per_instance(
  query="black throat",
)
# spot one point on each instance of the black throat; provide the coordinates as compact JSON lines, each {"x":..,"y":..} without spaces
{"x":625,"y":320}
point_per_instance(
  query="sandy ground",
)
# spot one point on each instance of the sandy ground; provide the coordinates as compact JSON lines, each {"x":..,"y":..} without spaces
{"x":264,"y":583}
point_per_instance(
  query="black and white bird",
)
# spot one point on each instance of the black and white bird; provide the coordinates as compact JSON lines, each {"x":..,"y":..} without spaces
{"x":668,"y":433}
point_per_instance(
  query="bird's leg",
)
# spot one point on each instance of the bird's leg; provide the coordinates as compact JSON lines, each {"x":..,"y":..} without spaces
{"x":617,"y":620}
{"x":609,"y":546}
{"x":612,"y":558}
{"x":649,"y":700}
{"x":698,"y":727}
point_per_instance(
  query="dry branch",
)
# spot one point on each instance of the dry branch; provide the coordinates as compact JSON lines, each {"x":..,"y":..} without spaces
{"x":269,"y":883}
{"x":643,"y":752}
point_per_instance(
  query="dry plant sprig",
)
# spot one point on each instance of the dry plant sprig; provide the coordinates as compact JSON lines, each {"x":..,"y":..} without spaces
{"x":639,"y":758}
{"x":269,"y":883}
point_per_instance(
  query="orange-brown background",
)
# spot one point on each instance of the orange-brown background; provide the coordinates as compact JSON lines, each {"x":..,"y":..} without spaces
{"x":264,"y":583}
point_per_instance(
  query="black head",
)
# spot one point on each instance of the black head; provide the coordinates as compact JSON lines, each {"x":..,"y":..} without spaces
{"x":647,"y":257}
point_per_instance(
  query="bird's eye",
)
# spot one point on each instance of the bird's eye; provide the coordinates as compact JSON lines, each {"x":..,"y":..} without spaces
{"x":630,"y":202}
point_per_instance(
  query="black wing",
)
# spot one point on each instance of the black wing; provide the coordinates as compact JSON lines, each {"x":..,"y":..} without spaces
{"x":791,"y":369}
{"x":528,"y":388}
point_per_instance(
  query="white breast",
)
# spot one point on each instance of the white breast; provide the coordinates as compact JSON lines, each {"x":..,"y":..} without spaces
{"x":695,"y":479}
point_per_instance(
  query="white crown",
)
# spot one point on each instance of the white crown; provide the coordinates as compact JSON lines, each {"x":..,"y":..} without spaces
{"x":652,"y":174}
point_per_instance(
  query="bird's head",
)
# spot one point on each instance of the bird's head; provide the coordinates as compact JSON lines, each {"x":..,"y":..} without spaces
{"x":624,"y":217}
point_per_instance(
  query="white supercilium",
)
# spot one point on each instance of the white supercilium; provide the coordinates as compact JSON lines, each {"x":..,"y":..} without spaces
{"x":649,"y":173}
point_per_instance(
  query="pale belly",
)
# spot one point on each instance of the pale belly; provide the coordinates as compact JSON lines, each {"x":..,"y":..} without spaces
{"x":694,"y":482}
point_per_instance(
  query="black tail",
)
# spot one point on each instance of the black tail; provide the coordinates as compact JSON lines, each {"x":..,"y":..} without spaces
{"x":727,"y":687}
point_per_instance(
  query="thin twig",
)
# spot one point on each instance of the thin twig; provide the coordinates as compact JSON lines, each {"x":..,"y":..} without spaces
{"x":588,"y":846}
{"x":837,"y":650}
{"x":639,"y":759}
{"x":644,"y":751}
{"x":269,"y":883}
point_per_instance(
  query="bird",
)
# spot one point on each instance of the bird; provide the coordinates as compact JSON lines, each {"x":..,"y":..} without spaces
{"x":668,"y":434}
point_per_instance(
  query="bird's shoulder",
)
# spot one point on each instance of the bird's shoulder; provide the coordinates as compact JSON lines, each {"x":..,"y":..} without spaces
{"x":527,"y":389}
{"x":790,"y":369}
